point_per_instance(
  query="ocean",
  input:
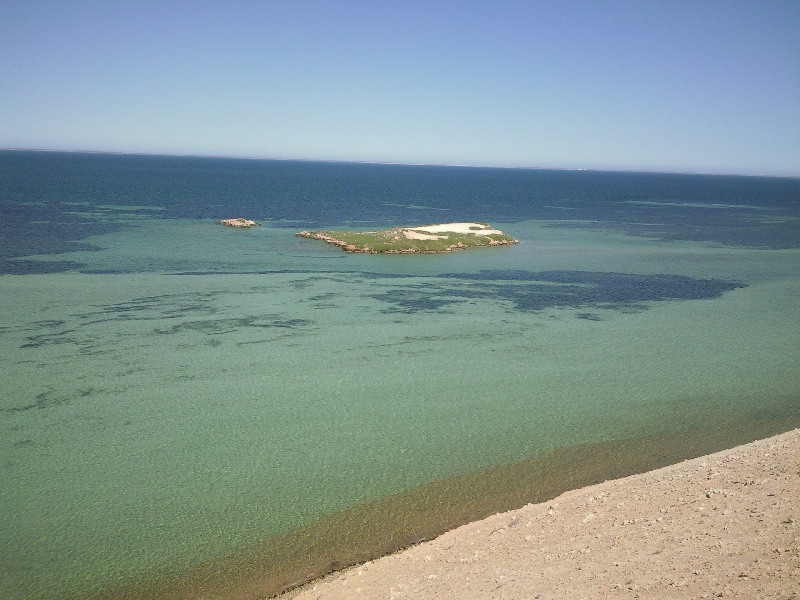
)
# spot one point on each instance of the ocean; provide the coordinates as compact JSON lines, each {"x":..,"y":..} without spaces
{"x":187,"y":409}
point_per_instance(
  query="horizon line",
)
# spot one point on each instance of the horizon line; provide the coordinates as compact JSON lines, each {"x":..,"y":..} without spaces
{"x":408,"y":164}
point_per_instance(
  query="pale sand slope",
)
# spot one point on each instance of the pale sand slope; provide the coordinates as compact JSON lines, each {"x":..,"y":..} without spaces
{"x":717,"y":526}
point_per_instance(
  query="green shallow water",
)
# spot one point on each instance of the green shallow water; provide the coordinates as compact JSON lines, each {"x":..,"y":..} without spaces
{"x":208,"y":401}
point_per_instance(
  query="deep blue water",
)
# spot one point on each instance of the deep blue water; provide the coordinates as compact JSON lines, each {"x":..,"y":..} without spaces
{"x":51,"y":202}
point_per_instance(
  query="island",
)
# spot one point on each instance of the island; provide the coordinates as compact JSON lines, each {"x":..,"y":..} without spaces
{"x":428,"y":239}
{"x":239,"y":222}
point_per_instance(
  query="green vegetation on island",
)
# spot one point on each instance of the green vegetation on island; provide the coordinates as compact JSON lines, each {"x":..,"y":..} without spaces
{"x":448,"y":237}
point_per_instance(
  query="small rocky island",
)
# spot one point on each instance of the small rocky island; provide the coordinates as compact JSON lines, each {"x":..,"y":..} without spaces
{"x":239,"y":222}
{"x":448,"y":237}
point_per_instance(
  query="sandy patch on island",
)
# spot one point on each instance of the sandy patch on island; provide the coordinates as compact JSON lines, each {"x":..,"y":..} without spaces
{"x":416,"y":235}
{"x":457,"y":228}
{"x":722,"y":525}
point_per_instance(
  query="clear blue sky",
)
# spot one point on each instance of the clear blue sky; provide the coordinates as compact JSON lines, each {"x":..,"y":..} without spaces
{"x":687,"y":86}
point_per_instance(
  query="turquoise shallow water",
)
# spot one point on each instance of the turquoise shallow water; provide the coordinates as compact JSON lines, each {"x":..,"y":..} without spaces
{"x":197,"y":390}
{"x":187,"y":409}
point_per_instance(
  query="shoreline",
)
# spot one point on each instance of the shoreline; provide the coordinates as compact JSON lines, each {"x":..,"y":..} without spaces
{"x":720,"y":525}
{"x":324,"y":551}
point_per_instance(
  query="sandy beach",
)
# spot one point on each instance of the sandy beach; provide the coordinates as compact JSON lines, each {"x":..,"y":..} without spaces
{"x":429,"y":232}
{"x":722,"y":525}
{"x":476,"y":228}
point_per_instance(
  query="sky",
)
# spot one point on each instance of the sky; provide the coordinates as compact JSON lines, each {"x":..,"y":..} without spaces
{"x":697,"y":86}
